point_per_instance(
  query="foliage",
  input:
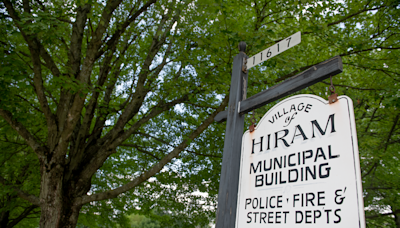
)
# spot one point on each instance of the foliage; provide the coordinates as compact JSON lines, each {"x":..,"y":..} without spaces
{"x":114,"y":101}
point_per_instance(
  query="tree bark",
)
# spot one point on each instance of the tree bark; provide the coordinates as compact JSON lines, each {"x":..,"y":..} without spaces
{"x":56,"y":196}
{"x":397,"y":220}
{"x":4,"y":218}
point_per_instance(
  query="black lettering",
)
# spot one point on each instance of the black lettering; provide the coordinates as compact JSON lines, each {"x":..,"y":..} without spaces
{"x":339,"y":198}
{"x":284,"y":113}
{"x":307,"y":157}
{"x":260,"y":178}
{"x":295,"y":199}
{"x":279,"y":163}
{"x":320,"y":197}
{"x":313,"y":175}
{"x":248,"y":216}
{"x":289,"y":163}
{"x":315,"y":123}
{"x":338,"y":216}
{"x":266,"y":179}
{"x":270,"y":199}
{"x":310,"y":199}
{"x":284,"y":161}
{"x":255,"y":200}
{"x":263,"y":215}
{"x":290,"y":176}
{"x":301,"y":133}
{"x":255,"y":216}
{"x":292,"y":108}
{"x":285,"y":212}
{"x":281,"y":138}
{"x":261,"y":139}
{"x":317,"y":154}
{"x":248,"y":201}
{"x":269,"y":137}
{"x":280,"y":178}
{"x":277,"y":216}
{"x":270,"y":165}
{"x":298,"y":156}
{"x":270,"y":215}
{"x":327,"y":215}
{"x":327,"y":169}
{"x":301,"y":173}
{"x":279,"y":200}
{"x":302,"y":107}
{"x":273,"y":120}
{"x":255,"y":169}
{"x":308,"y":107}
{"x":308,"y":215}
{"x":301,"y":219}
{"x":330,"y":153}
{"x":316,"y":216}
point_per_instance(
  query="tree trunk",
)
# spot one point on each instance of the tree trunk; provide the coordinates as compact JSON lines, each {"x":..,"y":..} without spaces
{"x":56,"y":198}
{"x":397,"y":220}
{"x":4,"y":217}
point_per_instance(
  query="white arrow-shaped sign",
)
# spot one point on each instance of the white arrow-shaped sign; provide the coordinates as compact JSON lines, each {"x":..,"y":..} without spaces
{"x":270,"y":52}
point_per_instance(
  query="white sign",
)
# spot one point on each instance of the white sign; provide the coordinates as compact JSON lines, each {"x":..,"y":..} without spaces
{"x":270,"y":52}
{"x":300,"y":167}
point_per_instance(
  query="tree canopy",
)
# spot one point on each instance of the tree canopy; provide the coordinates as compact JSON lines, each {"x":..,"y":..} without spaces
{"x":107,"y":106}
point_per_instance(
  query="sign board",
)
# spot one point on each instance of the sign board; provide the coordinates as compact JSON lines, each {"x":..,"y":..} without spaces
{"x":300,"y":167}
{"x":278,"y":48}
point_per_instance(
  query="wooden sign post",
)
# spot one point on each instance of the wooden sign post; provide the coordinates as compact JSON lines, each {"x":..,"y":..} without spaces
{"x":239,"y":105}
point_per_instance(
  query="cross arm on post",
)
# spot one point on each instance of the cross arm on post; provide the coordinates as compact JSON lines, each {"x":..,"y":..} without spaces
{"x":298,"y":82}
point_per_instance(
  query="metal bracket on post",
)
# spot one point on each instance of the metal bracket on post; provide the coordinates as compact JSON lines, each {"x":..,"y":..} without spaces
{"x":333,"y":97}
{"x":244,"y":67}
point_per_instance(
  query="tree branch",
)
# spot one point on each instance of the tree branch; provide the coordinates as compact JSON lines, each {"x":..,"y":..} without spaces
{"x":396,"y":119}
{"x":355,"y":14}
{"x":28,"y":197}
{"x":140,"y":149}
{"x":30,"y":104}
{"x":377,"y":69}
{"x":343,"y":54}
{"x":75,"y":50}
{"x":369,"y":49}
{"x":97,"y":153}
{"x":374,"y":166}
{"x":140,"y":92}
{"x":122,"y":28}
{"x":205,"y":155}
{"x":36,"y":50}
{"x":156,"y":168}
{"x":373,"y":115}
{"x":351,"y":87}
{"x":21,"y":130}
{"x":151,"y":136}
{"x":71,"y":118}
{"x":23,"y":215}
{"x":32,"y":40}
